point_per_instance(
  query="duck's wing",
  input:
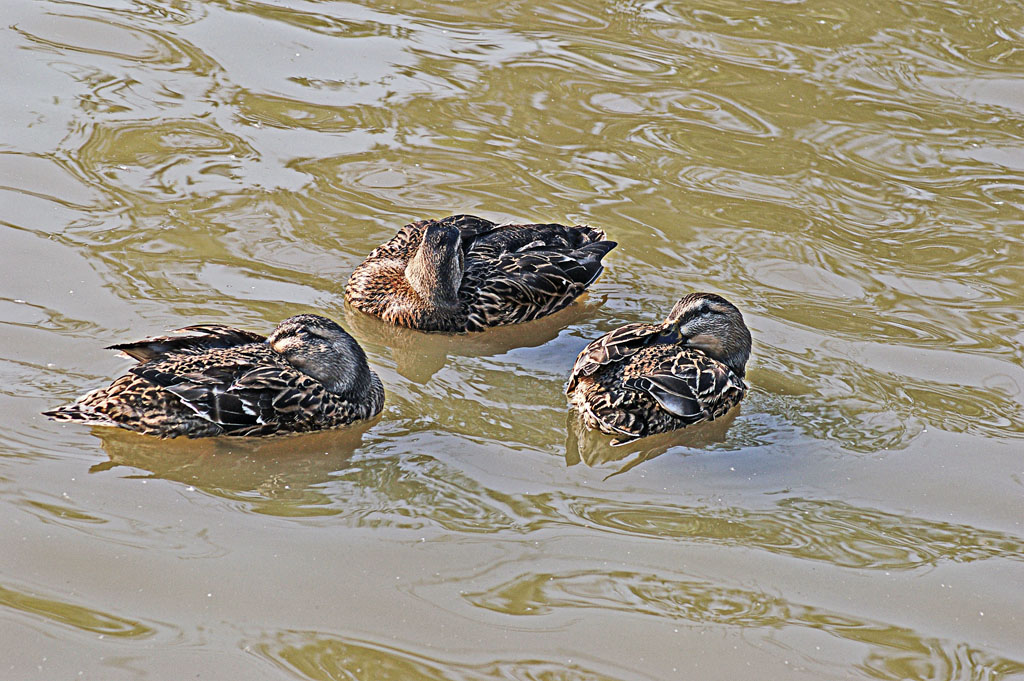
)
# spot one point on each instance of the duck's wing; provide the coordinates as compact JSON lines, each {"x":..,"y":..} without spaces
{"x":615,"y":346}
{"x":691,"y":386}
{"x":241,"y":397}
{"x":518,"y":273}
{"x":489,"y":240}
{"x":470,"y":226}
{"x":403,"y":245}
{"x":205,"y":337}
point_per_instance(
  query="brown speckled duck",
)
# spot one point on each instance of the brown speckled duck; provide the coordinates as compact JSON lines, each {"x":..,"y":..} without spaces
{"x":464,"y":273}
{"x":642,"y":379}
{"x":307,"y":375}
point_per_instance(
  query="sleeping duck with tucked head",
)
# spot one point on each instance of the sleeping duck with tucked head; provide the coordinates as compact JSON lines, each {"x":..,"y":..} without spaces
{"x":464,"y":273}
{"x":307,"y":375}
{"x":642,"y":379}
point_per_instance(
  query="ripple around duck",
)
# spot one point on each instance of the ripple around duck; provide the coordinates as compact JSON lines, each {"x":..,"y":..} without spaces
{"x":804,"y":24}
{"x":992,"y":44}
{"x":929,"y":163}
{"x":28,"y":317}
{"x":107,"y":37}
{"x":418,"y":357}
{"x":606,"y":60}
{"x":844,"y":403}
{"x":77,"y":617}
{"x":397,"y":493}
{"x":163,"y":160}
{"x":286,"y":113}
{"x":285,"y":476}
{"x":313,"y":655}
{"x":331,"y":473}
{"x":45,"y":178}
{"x":309,"y":475}
{"x":829,"y":531}
{"x":64,"y":509}
{"x":351,"y":22}
{"x":890,"y":651}
{"x":870,"y":392}
{"x":686,"y":107}
{"x":725,"y":433}
{"x":837,"y":295}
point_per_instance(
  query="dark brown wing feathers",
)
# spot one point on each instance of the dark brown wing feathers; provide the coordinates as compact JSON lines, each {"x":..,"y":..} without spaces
{"x":615,"y":346}
{"x":209,"y":336}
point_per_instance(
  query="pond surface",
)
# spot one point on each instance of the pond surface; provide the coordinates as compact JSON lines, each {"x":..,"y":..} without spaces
{"x":851,"y":175}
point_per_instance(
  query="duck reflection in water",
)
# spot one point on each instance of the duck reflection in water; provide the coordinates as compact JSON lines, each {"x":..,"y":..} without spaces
{"x":594,"y":448}
{"x":418,"y":355}
{"x":282,"y":475}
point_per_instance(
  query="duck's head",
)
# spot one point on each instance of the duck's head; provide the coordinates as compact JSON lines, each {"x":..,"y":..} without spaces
{"x":318,"y":347}
{"x":713,"y":325}
{"x":435,"y":271}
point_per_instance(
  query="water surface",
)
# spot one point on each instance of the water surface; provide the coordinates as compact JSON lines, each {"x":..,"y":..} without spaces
{"x":852,"y":177}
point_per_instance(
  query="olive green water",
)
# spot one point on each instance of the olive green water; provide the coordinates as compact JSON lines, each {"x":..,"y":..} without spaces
{"x":851,"y":175}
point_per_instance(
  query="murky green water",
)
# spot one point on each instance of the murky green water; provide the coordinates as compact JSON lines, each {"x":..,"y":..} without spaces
{"x":850,"y":174}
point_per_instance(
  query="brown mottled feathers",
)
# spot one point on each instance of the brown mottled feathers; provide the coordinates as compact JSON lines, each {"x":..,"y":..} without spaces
{"x":226,"y":381}
{"x":642,"y":379}
{"x":512,"y":274}
{"x":615,"y":346}
{"x":659,"y":388}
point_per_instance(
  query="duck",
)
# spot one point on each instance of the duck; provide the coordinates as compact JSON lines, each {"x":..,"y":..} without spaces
{"x":308,"y":374}
{"x":642,"y":379}
{"x":463,"y":273}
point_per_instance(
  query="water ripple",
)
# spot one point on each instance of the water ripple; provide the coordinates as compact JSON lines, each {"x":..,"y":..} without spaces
{"x":322,"y":476}
{"x":831,"y":531}
{"x":313,"y":655}
{"x":109,"y":38}
{"x":850,"y":174}
{"x":75,"y":616}
{"x":890,"y":651}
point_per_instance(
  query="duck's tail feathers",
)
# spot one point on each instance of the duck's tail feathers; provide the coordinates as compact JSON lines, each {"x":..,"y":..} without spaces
{"x":590,"y":257}
{"x":78,"y":414}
